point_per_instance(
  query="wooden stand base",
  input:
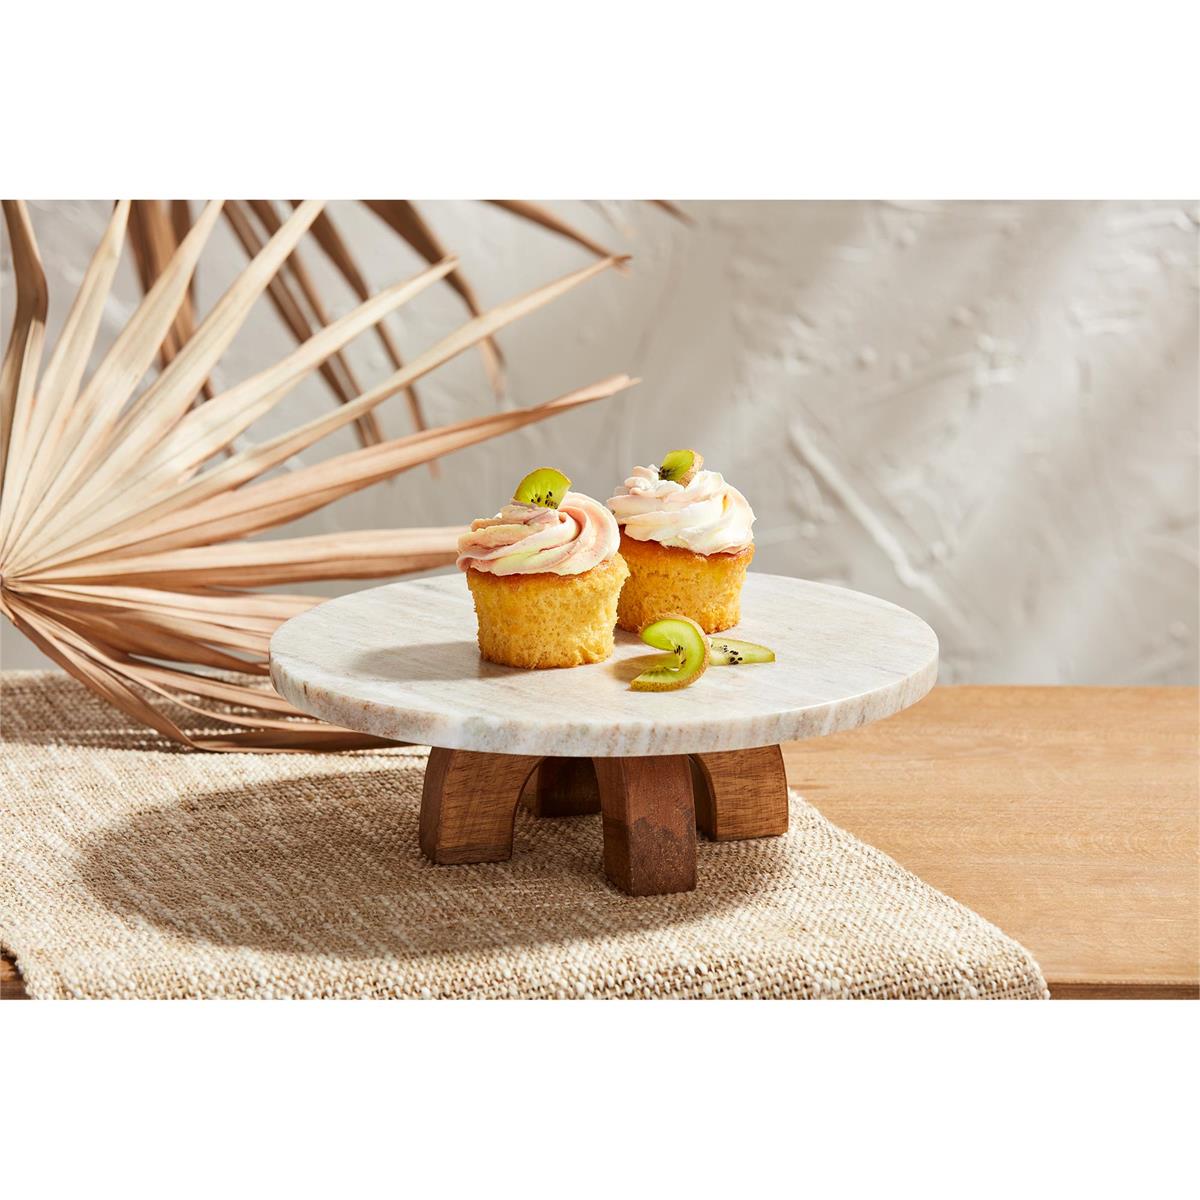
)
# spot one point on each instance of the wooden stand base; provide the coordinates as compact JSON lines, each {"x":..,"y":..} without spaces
{"x":652,"y":807}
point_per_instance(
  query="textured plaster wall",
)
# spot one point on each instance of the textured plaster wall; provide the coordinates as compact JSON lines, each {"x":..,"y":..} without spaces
{"x":985,"y":412}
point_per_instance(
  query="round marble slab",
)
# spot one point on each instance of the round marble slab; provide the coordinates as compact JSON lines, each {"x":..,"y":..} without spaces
{"x":402,"y":662}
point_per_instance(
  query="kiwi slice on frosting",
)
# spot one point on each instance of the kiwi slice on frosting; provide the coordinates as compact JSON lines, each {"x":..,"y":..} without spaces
{"x":544,"y":487}
{"x":729,"y":652}
{"x":680,"y":466}
{"x":687,"y":660}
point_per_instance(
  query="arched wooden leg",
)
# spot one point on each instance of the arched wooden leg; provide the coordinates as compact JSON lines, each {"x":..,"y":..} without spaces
{"x":740,"y":794}
{"x":564,"y":787}
{"x":649,"y":824}
{"x":468,"y":804}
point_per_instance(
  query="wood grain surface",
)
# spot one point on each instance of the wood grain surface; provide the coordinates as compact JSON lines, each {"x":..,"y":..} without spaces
{"x":563,"y":787}
{"x":12,"y":987}
{"x":649,"y":823}
{"x":469,"y":803}
{"x":1068,"y":816}
{"x":740,"y":794}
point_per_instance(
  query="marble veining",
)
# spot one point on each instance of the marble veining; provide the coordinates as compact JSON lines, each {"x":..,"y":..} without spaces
{"x":401,"y":662}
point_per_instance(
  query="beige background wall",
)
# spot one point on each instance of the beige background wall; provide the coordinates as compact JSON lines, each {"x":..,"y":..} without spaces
{"x":986,"y":412}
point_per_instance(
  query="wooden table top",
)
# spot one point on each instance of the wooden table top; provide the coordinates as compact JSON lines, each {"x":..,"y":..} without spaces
{"x":1070,"y":817}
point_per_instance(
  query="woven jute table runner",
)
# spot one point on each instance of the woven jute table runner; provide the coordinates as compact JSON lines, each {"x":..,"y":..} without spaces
{"x":132,"y":868}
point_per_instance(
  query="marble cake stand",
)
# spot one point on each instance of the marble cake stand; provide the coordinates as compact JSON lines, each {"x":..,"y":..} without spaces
{"x":401,"y":662}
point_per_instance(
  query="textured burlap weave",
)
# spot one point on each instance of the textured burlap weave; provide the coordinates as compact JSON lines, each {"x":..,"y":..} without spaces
{"x":131,"y":868}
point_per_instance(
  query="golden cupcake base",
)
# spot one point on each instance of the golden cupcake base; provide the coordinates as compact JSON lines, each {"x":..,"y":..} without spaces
{"x":543,"y":620}
{"x":664,"y":580}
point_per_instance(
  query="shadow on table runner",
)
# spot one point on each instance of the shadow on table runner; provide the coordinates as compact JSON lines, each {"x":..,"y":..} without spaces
{"x":132,"y":869}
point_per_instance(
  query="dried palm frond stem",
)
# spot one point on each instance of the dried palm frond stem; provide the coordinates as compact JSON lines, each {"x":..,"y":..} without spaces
{"x":123,"y":515}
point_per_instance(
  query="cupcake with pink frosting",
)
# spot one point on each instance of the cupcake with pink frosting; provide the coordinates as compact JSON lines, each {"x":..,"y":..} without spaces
{"x":686,"y":535}
{"x":545,"y":574}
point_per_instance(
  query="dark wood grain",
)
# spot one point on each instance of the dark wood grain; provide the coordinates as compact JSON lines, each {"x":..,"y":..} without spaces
{"x":1126,"y":990}
{"x":564,"y":787}
{"x":468,"y":805}
{"x":740,"y":794}
{"x":12,"y":986}
{"x":649,"y":824}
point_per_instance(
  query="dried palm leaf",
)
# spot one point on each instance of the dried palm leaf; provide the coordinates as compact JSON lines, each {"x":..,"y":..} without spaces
{"x":155,"y":231}
{"x":123,"y":531}
{"x":293,"y":296}
{"x":542,"y":216}
{"x":327,"y":236}
{"x":291,"y":301}
{"x":669,"y":206}
{"x":24,"y":352}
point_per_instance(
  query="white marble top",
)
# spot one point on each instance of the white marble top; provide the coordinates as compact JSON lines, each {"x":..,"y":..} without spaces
{"x":401,"y":662}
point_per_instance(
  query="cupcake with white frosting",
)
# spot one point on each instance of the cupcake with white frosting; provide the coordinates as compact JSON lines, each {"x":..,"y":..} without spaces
{"x":545,"y":574}
{"x":686,"y":535}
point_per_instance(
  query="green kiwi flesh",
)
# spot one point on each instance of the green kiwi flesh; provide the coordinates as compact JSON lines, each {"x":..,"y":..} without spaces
{"x":680,"y":466}
{"x":544,"y":487}
{"x":729,"y":652}
{"x":689,"y":650}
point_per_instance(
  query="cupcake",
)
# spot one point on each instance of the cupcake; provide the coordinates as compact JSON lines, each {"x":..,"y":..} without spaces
{"x":686,"y":535}
{"x":545,"y":574}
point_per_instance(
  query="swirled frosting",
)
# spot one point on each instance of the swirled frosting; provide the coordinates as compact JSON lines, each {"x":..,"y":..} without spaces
{"x":525,"y":539}
{"x":708,"y":516}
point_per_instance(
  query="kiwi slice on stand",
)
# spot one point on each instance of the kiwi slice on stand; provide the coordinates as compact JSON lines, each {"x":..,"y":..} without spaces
{"x":544,"y":487}
{"x":729,"y":652}
{"x":680,"y":466}
{"x":687,"y":660}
